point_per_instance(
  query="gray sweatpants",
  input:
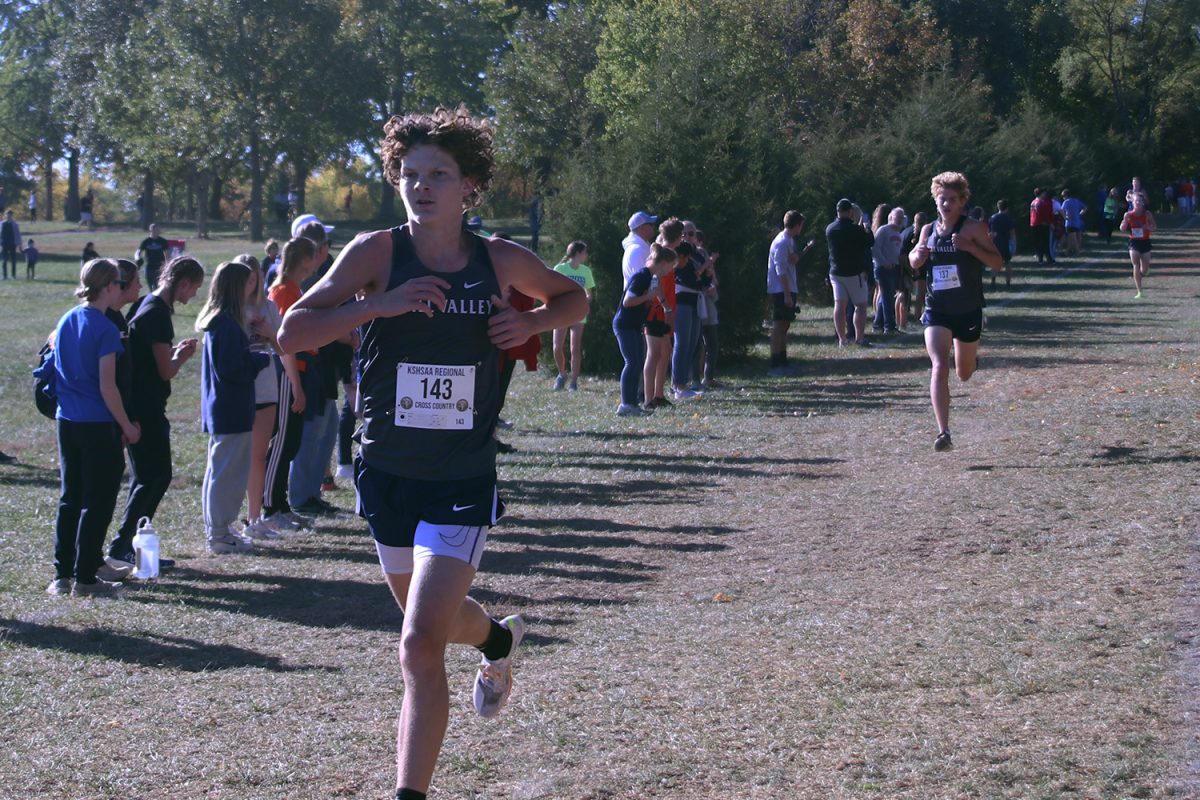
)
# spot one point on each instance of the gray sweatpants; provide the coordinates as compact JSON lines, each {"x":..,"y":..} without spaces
{"x":225,"y":480}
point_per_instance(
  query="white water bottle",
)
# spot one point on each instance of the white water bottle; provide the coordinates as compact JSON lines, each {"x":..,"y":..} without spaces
{"x":145,"y":547}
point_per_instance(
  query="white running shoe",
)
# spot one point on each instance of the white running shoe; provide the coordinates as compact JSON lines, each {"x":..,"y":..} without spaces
{"x":229,"y":542}
{"x":258,"y":529}
{"x":280,"y":523}
{"x":493,"y":682}
{"x":626,"y":410}
{"x":299,"y":520}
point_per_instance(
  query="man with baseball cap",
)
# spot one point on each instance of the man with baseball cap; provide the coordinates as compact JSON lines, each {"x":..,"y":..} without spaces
{"x":637,"y":244}
{"x":305,"y":219}
{"x":308,"y":226}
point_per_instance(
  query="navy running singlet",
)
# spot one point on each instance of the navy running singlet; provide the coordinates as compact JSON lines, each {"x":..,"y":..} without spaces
{"x":430,"y":386}
{"x":955,"y":277}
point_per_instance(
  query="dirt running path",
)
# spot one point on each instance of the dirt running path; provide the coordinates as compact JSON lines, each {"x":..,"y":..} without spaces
{"x":787,"y":594}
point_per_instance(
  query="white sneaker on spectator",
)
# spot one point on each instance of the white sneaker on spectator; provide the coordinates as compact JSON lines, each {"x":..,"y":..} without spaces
{"x":229,"y":542}
{"x":113,"y":570}
{"x":257,"y":529}
{"x":280,"y":522}
{"x":98,"y":588}
{"x":299,"y":520}
{"x":59,"y":586}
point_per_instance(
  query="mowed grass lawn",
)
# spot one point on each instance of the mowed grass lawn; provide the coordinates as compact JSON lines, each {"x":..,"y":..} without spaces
{"x":778,"y":591}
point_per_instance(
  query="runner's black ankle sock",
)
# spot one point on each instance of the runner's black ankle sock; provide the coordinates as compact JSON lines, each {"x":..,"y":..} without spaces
{"x":409,"y":794}
{"x":498,"y":644}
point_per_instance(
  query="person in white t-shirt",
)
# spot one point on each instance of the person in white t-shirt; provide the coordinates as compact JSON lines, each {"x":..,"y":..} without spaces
{"x":781,"y":286}
{"x":637,"y":245}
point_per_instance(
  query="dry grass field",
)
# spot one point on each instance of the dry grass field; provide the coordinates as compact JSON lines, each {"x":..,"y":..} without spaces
{"x":778,"y":591}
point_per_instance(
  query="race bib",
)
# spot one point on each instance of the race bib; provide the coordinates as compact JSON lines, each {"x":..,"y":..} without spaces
{"x":435,"y":396}
{"x":945,"y":276}
{"x":1136,"y":233}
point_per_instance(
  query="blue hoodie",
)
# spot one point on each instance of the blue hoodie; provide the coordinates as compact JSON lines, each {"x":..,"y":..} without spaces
{"x":227,"y":372}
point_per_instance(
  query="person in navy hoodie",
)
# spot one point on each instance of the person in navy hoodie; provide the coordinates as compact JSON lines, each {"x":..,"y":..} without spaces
{"x":227,"y":371}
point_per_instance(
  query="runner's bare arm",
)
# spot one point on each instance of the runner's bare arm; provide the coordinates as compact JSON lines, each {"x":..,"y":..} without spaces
{"x":1151,"y":225}
{"x":564,"y":301}
{"x":322,"y":315}
{"x":979,"y":244}
{"x":920,"y":254}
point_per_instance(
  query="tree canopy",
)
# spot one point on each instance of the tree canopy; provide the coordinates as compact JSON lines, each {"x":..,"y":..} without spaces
{"x":729,"y":111}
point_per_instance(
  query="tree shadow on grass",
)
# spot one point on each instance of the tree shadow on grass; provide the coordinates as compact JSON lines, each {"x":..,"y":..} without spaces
{"x":573,"y":534}
{"x":797,"y":397}
{"x":595,"y":568}
{"x":1063,"y":305}
{"x":613,"y":493}
{"x":613,"y":528}
{"x":19,"y":474}
{"x":613,"y":436}
{"x":1135,"y":455}
{"x":149,"y":650}
{"x":676,"y":465}
{"x":320,"y":603}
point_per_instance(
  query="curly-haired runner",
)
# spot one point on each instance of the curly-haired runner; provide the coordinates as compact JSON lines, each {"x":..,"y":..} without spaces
{"x":957,"y":250}
{"x":430,"y":300}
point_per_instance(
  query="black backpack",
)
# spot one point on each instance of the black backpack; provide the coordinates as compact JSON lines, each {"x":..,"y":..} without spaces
{"x":45,"y":378}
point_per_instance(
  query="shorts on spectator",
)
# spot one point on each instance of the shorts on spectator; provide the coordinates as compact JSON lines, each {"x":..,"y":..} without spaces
{"x":656,"y":327}
{"x":779,"y":309}
{"x":853,"y":288}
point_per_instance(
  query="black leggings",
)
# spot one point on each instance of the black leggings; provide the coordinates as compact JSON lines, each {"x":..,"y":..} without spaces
{"x":90,"y":466}
{"x":283,"y":448}
{"x":149,"y":479}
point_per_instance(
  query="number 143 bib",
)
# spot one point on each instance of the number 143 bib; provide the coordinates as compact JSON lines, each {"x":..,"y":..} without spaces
{"x":435,"y":396}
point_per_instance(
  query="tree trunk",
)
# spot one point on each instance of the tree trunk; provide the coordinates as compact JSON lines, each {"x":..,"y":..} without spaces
{"x":71,"y":211}
{"x":48,"y":178}
{"x":214,"y":197}
{"x":200,"y":183}
{"x":193,"y":186}
{"x":387,"y":192}
{"x":256,"y":190}
{"x":147,"y":200}
{"x":300,"y":173}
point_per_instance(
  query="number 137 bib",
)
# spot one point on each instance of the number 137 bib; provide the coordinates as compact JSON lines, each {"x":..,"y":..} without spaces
{"x":435,"y":396}
{"x":944,"y":276}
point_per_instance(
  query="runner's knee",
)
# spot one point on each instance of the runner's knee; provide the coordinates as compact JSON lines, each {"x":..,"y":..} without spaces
{"x":422,"y":654}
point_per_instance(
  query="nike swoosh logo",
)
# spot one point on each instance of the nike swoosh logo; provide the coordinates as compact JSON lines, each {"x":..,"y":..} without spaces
{"x":457,"y":507}
{"x":471,"y":285}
